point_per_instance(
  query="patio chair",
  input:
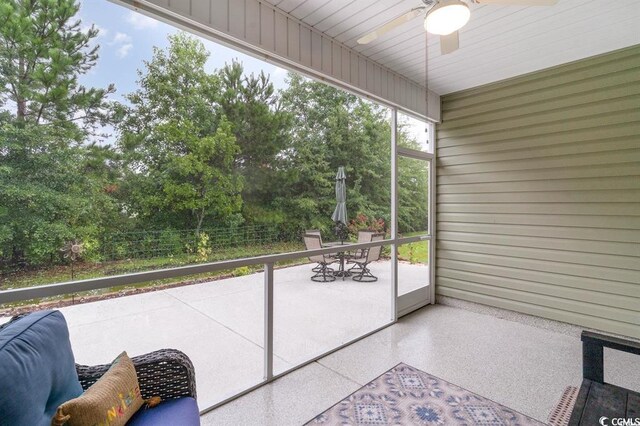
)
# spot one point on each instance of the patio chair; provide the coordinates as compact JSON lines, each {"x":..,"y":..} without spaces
{"x":314,"y":232}
{"x":363,"y":237}
{"x":372,"y":254}
{"x":323,"y":272}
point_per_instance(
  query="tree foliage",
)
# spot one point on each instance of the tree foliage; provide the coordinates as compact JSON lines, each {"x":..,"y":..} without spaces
{"x":178,"y":146}
{"x":334,"y":128}
{"x":47,"y":189}
{"x":261,"y":127}
{"x":49,"y":193}
{"x":196,"y":147}
{"x":43,"y":51}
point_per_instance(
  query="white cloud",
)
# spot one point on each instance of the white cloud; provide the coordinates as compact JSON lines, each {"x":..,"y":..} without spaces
{"x":141,"y":22}
{"x":121,"y":38}
{"x":123,"y":50}
{"x":122,"y":43}
{"x":277,"y":71}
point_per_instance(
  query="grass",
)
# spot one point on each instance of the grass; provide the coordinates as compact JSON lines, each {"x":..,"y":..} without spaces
{"x":83,"y":271}
{"x":417,"y":252}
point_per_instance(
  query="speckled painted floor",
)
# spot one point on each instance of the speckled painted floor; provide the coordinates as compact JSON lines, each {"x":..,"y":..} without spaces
{"x":518,"y":361}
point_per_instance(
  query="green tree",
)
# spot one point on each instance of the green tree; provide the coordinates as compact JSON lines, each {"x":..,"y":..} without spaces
{"x":178,"y":148}
{"x":43,"y":52}
{"x":413,"y":201}
{"x":45,"y":190}
{"x":49,"y":196}
{"x":261,"y":128}
{"x":413,"y":187}
{"x":334,"y":128}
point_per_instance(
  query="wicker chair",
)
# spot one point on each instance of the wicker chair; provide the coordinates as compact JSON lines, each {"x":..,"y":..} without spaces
{"x":323,"y":272}
{"x":167,"y":373}
{"x":372,"y":255}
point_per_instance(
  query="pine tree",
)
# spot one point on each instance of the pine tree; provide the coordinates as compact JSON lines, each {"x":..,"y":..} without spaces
{"x":43,"y":52}
{"x":45,"y":192}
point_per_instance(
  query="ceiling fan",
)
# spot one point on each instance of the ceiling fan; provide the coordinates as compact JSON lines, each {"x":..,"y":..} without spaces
{"x":445,"y":18}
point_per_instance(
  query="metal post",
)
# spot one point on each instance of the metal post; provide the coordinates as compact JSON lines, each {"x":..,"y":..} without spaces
{"x":432,"y":215}
{"x":268,"y":321}
{"x":394,"y":214}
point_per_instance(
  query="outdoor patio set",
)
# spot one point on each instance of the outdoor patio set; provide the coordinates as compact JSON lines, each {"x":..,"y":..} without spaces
{"x":358,"y":259}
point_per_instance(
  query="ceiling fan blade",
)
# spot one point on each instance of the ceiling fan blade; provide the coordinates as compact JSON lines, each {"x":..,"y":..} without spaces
{"x":449,"y":43}
{"x":413,"y":13}
{"x":519,"y":2}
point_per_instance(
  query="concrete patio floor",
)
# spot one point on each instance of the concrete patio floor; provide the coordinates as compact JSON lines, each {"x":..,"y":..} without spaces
{"x":220,"y":326}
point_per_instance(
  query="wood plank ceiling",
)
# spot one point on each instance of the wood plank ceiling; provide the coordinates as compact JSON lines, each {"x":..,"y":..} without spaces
{"x":498,"y":42}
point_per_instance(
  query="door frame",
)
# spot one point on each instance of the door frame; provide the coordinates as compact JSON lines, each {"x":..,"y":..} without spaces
{"x":409,"y":302}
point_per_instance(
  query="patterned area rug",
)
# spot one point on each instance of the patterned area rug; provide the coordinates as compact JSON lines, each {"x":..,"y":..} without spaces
{"x":407,"y":396}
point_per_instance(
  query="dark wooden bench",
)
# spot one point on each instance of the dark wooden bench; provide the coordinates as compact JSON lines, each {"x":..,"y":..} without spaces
{"x":597,"y":399}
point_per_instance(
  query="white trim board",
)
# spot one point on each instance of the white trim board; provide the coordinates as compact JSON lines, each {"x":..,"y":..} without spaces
{"x":266,"y":32}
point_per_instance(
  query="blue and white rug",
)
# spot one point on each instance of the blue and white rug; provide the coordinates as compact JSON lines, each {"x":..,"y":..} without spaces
{"x":407,"y":396}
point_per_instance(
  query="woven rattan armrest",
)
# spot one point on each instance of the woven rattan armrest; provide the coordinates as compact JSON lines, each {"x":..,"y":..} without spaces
{"x":167,"y":373}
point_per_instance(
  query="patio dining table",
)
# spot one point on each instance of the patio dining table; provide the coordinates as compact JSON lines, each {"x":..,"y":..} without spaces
{"x":342,"y":255}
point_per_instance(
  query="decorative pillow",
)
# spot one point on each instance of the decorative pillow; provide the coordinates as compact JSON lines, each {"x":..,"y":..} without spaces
{"x":112,"y":400}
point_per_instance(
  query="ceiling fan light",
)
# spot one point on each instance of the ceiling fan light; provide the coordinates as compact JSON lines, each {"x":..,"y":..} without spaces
{"x":446,"y":17}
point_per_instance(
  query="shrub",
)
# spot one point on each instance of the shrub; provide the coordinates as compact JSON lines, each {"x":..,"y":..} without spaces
{"x":364,"y":223}
{"x":203,"y":250}
{"x":241,"y":271}
{"x":170,"y":242}
{"x":91,"y":250}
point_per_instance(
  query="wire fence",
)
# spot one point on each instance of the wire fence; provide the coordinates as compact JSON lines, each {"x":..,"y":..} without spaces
{"x":164,"y":245}
{"x":149,"y":244}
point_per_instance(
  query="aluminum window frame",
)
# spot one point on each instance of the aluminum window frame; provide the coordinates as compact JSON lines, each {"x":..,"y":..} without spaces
{"x":56,"y":289}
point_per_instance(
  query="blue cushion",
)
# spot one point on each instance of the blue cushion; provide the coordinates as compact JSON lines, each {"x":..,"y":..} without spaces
{"x":37,"y":369}
{"x":182,"y":411}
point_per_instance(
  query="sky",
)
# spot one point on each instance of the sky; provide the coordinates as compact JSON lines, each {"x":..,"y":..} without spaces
{"x":127,"y":38}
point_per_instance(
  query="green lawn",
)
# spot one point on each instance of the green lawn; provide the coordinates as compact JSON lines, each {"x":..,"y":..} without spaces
{"x":417,"y":252}
{"x":84,"y":271}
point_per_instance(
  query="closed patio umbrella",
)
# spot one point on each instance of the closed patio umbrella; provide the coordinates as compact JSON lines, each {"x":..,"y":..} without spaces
{"x":340,"y":213}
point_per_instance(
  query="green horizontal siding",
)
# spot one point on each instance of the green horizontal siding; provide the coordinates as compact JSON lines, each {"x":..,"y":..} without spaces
{"x":539,"y":194}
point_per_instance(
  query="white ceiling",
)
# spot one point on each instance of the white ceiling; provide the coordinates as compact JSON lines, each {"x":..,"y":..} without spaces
{"x":498,"y":42}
